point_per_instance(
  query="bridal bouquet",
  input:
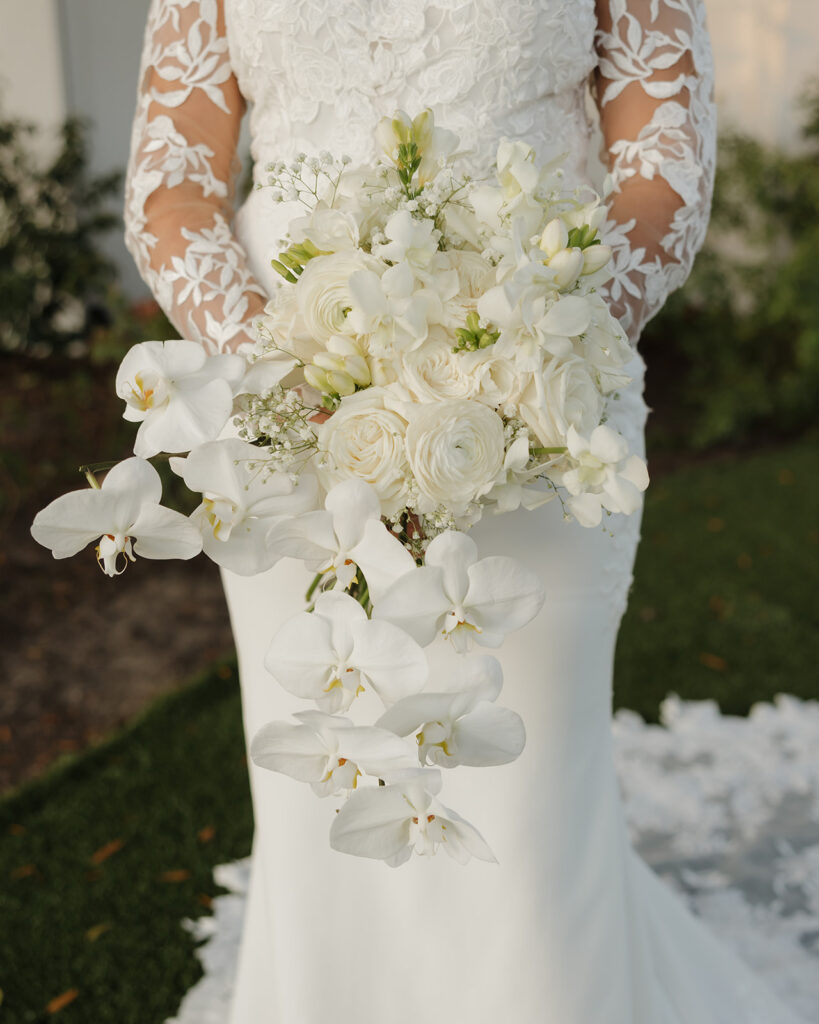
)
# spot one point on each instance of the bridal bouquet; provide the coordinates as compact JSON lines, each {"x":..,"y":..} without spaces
{"x":436,"y":350}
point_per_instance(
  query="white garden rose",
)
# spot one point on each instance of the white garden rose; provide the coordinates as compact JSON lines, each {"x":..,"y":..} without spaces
{"x":562,"y":394}
{"x":282,"y":319}
{"x":498,"y":382}
{"x":323,"y":292}
{"x":455,"y":449}
{"x":364,"y":439}
{"x":434,"y":372}
{"x":326,"y":227}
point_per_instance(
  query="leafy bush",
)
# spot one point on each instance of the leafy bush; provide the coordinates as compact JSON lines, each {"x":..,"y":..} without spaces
{"x":51,"y":268}
{"x":734,"y":356}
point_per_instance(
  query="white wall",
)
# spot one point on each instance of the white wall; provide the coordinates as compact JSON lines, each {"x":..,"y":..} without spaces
{"x":765,"y":51}
{"x":31,"y":70}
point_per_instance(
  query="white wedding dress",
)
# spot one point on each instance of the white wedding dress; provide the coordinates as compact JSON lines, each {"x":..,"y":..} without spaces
{"x":570,"y":927}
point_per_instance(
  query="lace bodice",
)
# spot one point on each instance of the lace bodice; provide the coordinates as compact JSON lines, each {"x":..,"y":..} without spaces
{"x":318,"y":74}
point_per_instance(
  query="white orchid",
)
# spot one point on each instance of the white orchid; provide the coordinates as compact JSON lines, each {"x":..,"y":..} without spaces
{"x":328,"y":751}
{"x":390,"y":823}
{"x":179,"y":394}
{"x":601,"y":475}
{"x":509,"y":491}
{"x":241,"y":501}
{"x":464,"y":598}
{"x":411,"y":240}
{"x":348,"y":533}
{"x":390,"y":310}
{"x":124,"y":515}
{"x":461,"y":724}
{"x":334,"y":653}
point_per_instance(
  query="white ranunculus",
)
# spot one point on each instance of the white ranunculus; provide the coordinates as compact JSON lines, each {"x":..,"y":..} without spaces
{"x":562,"y":394}
{"x":364,"y":440}
{"x":124,"y":515}
{"x":179,"y":394}
{"x":240,"y":502}
{"x":455,"y":450}
{"x":434,"y":372}
{"x":324,"y":295}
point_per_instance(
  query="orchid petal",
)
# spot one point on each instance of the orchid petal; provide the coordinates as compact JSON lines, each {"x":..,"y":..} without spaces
{"x":416,"y":602}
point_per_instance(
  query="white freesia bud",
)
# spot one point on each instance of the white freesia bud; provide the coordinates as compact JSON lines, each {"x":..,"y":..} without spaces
{"x":317,"y":379}
{"x":555,"y":237}
{"x":341,"y":383}
{"x":567,"y":264}
{"x":329,"y":361}
{"x":595,"y":257}
{"x":356,"y":366}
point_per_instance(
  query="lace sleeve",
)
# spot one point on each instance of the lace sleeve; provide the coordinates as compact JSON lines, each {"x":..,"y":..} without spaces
{"x":654,"y":89}
{"x":181,"y":173}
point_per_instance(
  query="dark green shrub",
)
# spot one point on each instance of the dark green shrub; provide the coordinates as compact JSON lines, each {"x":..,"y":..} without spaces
{"x":52,"y":271}
{"x":734,"y":356}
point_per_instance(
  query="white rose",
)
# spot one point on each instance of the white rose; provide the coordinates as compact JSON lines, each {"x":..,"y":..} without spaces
{"x":455,"y":450}
{"x":364,"y":439}
{"x":323,"y":293}
{"x":475,"y":274}
{"x":326,"y":228}
{"x":562,"y":394}
{"x":434,"y":372}
{"x":285,"y":323}
{"x":498,"y":381}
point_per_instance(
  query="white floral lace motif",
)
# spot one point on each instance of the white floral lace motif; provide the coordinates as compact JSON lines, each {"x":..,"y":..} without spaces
{"x":317,"y":74}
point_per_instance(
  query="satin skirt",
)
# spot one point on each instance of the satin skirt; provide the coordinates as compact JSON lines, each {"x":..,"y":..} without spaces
{"x":570,"y":926}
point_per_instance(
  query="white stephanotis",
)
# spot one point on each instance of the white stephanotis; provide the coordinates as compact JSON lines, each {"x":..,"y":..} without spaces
{"x":461,"y":724}
{"x":124,"y":515}
{"x":392,"y":822}
{"x":180,"y":395}
{"x":241,"y":501}
{"x":464,"y":598}
{"x":601,"y":475}
{"x":335,"y":652}
{"x":347,"y":534}
{"x":329,"y":751}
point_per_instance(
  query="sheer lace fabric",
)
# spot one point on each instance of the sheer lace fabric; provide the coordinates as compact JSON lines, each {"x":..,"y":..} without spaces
{"x":318,"y":74}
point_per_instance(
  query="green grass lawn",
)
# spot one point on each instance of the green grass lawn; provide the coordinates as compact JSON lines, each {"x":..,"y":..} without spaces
{"x":102,"y":858}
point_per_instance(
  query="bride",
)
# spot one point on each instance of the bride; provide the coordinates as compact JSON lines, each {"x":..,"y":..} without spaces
{"x":570,"y":927}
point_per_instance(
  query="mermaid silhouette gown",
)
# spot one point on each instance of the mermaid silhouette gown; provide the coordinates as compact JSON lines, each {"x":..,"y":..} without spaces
{"x":570,"y":927}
